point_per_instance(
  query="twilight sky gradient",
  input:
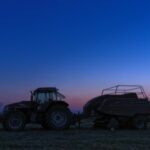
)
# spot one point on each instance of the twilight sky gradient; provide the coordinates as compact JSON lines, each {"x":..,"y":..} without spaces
{"x":79,"y":46}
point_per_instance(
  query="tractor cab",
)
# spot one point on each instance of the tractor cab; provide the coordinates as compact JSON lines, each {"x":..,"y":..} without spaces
{"x":42,"y":95}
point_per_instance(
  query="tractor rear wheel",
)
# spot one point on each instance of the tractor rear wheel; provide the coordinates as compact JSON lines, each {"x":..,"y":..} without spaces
{"x":58,"y":118}
{"x":14,"y":121}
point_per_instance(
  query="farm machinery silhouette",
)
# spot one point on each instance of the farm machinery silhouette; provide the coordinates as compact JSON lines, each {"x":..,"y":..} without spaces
{"x":46,"y":107}
{"x":118,"y":106}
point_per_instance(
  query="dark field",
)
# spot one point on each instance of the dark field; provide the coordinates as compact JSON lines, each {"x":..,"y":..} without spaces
{"x":85,"y":139}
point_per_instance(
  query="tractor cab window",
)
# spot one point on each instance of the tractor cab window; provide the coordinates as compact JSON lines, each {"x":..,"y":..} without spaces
{"x":60,"y":97}
{"x":44,"y":97}
{"x":41,"y":98}
{"x":53,"y":96}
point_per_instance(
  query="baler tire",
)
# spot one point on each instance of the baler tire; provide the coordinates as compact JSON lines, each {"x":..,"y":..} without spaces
{"x":113,"y":124}
{"x":139,"y":122}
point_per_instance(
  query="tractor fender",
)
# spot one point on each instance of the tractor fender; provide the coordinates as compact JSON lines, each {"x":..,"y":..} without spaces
{"x":46,"y":106}
{"x":62,"y":103}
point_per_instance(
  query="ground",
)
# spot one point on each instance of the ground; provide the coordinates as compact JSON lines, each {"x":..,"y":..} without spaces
{"x":75,"y":139}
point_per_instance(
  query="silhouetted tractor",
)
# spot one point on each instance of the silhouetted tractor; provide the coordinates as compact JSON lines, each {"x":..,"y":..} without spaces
{"x":120,"y":106}
{"x":46,"y":107}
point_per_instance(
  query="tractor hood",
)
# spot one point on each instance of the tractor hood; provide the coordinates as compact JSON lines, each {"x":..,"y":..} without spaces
{"x":22,"y":104}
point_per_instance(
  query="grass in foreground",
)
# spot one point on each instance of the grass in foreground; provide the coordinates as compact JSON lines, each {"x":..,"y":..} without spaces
{"x":74,"y":139}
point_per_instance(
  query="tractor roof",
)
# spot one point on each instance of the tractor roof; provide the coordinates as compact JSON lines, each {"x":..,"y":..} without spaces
{"x":46,"y":89}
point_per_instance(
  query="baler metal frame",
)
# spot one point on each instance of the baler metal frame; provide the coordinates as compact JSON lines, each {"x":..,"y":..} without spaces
{"x":124,"y":89}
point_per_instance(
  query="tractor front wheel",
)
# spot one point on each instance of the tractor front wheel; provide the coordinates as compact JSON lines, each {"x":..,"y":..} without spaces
{"x":14,"y":121}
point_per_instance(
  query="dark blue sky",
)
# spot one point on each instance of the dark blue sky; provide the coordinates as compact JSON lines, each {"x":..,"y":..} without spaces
{"x":80,"y":46}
